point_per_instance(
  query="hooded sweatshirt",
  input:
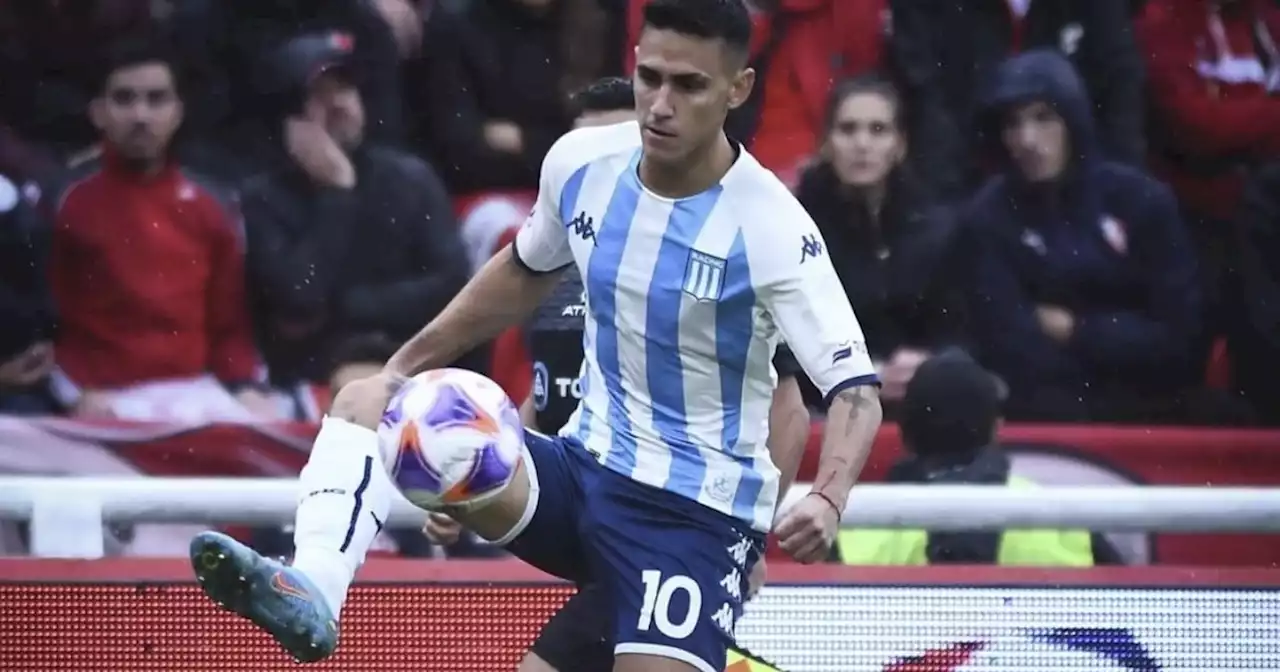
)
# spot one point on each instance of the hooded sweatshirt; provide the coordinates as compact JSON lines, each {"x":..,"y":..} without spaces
{"x":1104,"y":241}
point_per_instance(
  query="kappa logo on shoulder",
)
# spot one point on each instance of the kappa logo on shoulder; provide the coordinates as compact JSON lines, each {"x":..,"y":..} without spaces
{"x":583,"y":227}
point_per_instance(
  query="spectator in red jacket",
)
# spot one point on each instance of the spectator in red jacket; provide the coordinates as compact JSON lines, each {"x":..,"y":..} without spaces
{"x":147,"y":261}
{"x":1213,"y":72}
{"x":799,"y":49}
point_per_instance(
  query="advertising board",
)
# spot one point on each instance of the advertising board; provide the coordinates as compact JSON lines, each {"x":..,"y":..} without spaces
{"x":478,"y":616}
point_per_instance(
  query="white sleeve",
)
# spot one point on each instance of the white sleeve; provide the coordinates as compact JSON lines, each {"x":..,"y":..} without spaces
{"x":542,"y":244}
{"x":809,"y":306}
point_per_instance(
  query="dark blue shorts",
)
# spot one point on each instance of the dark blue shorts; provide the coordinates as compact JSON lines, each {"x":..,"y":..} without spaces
{"x":673,"y":571}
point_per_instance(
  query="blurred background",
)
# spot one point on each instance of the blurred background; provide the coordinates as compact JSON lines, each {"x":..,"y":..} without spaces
{"x":213,"y":213}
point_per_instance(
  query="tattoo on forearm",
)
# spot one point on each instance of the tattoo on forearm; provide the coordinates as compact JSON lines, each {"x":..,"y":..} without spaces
{"x":860,"y":399}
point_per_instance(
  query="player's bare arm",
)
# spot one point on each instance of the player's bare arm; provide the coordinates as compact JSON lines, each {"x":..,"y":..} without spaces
{"x":788,"y":431}
{"x":809,"y":528}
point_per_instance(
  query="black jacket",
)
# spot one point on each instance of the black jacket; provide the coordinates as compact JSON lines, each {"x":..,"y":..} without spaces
{"x":945,"y":53}
{"x":1254,"y":326}
{"x":224,"y":44}
{"x":900,"y":274}
{"x":26,"y":306}
{"x":1105,"y":242}
{"x":496,"y":61}
{"x":383,"y":257}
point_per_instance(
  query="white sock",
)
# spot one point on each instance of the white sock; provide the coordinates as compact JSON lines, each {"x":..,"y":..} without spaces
{"x":345,"y":497}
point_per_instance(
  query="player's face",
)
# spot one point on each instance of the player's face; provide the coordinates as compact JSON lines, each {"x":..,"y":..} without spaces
{"x":1037,"y":140}
{"x":139,"y":111}
{"x":684,"y":86}
{"x":865,"y":144}
{"x":334,"y":103}
{"x":603,"y":118}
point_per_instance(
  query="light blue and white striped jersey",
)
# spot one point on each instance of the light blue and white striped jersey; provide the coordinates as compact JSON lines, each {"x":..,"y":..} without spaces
{"x":686,"y":300}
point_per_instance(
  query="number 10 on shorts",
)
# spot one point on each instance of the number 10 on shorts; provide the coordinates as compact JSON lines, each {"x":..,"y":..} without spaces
{"x":656,"y":610}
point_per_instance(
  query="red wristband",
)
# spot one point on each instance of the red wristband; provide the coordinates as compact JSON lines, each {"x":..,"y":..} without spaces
{"x":832,"y":502}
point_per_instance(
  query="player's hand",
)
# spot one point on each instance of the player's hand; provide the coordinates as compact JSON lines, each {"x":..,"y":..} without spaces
{"x":441,"y":529}
{"x":808,"y":529}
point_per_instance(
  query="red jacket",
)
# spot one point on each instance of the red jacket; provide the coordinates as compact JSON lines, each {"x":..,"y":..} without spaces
{"x":825,"y":41}
{"x":148,"y":277}
{"x":1213,"y":91}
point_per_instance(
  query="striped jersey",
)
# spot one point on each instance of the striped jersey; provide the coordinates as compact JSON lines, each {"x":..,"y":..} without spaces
{"x":685,"y":302}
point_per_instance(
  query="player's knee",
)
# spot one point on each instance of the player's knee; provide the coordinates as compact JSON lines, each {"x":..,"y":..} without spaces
{"x":500,"y":516}
{"x":361,"y":402}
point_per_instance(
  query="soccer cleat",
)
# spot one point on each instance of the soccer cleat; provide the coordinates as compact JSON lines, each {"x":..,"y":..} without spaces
{"x":279,"y":599}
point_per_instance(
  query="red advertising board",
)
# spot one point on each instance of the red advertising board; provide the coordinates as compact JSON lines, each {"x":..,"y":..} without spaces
{"x":479,"y":616}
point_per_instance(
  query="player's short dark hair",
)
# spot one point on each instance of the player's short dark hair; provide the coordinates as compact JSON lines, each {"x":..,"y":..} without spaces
{"x":134,"y":50}
{"x":726,"y":20}
{"x":609,"y":94}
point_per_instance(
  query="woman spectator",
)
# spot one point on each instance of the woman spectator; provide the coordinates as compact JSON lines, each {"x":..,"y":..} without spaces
{"x":891,"y":250}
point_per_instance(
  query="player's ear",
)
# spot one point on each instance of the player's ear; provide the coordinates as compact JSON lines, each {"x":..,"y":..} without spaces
{"x":741,"y":87}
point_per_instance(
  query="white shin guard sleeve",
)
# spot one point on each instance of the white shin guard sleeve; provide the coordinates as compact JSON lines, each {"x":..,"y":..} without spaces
{"x":345,"y":498}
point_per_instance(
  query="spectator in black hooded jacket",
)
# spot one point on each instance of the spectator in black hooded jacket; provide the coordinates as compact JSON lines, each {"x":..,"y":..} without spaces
{"x":946,"y":50}
{"x":893,"y":253}
{"x":353,"y":247}
{"x":26,"y":306}
{"x":1086,"y":299}
{"x":229,"y":105}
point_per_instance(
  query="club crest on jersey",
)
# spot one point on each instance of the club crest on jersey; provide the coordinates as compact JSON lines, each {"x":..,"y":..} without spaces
{"x":704,"y":276}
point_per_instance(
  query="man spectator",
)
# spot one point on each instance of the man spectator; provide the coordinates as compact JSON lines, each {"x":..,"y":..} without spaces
{"x":946,"y":52}
{"x":1214,"y":74}
{"x":26,"y":309}
{"x":489,"y":96}
{"x":950,"y":416}
{"x":1086,"y":299}
{"x":226,"y":42}
{"x":352,"y":247}
{"x":147,"y":264}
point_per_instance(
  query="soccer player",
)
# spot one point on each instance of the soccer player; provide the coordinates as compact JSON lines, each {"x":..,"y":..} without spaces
{"x":660,"y":489}
{"x":579,"y":637}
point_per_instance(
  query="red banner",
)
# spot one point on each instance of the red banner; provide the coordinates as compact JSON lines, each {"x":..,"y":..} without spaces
{"x":1061,"y":455}
{"x":478,"y":616}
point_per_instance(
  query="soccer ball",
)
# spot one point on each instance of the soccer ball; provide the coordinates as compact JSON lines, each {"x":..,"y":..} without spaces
{"x":452,"y":438}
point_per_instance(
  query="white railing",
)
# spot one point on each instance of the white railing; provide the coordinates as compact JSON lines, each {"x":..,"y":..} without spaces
{"x":56,"y":506}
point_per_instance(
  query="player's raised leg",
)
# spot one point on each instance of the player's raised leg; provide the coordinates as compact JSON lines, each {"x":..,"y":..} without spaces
{"x":345,"y":498}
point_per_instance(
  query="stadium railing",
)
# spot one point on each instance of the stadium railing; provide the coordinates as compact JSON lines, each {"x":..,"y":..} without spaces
{"x":66,"y":514}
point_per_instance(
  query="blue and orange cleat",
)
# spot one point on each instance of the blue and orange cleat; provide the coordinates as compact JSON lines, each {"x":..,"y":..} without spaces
{"x":277,"y":598}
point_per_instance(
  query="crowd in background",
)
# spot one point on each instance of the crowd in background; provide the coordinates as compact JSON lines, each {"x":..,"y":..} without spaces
{"x":239,"y":205}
